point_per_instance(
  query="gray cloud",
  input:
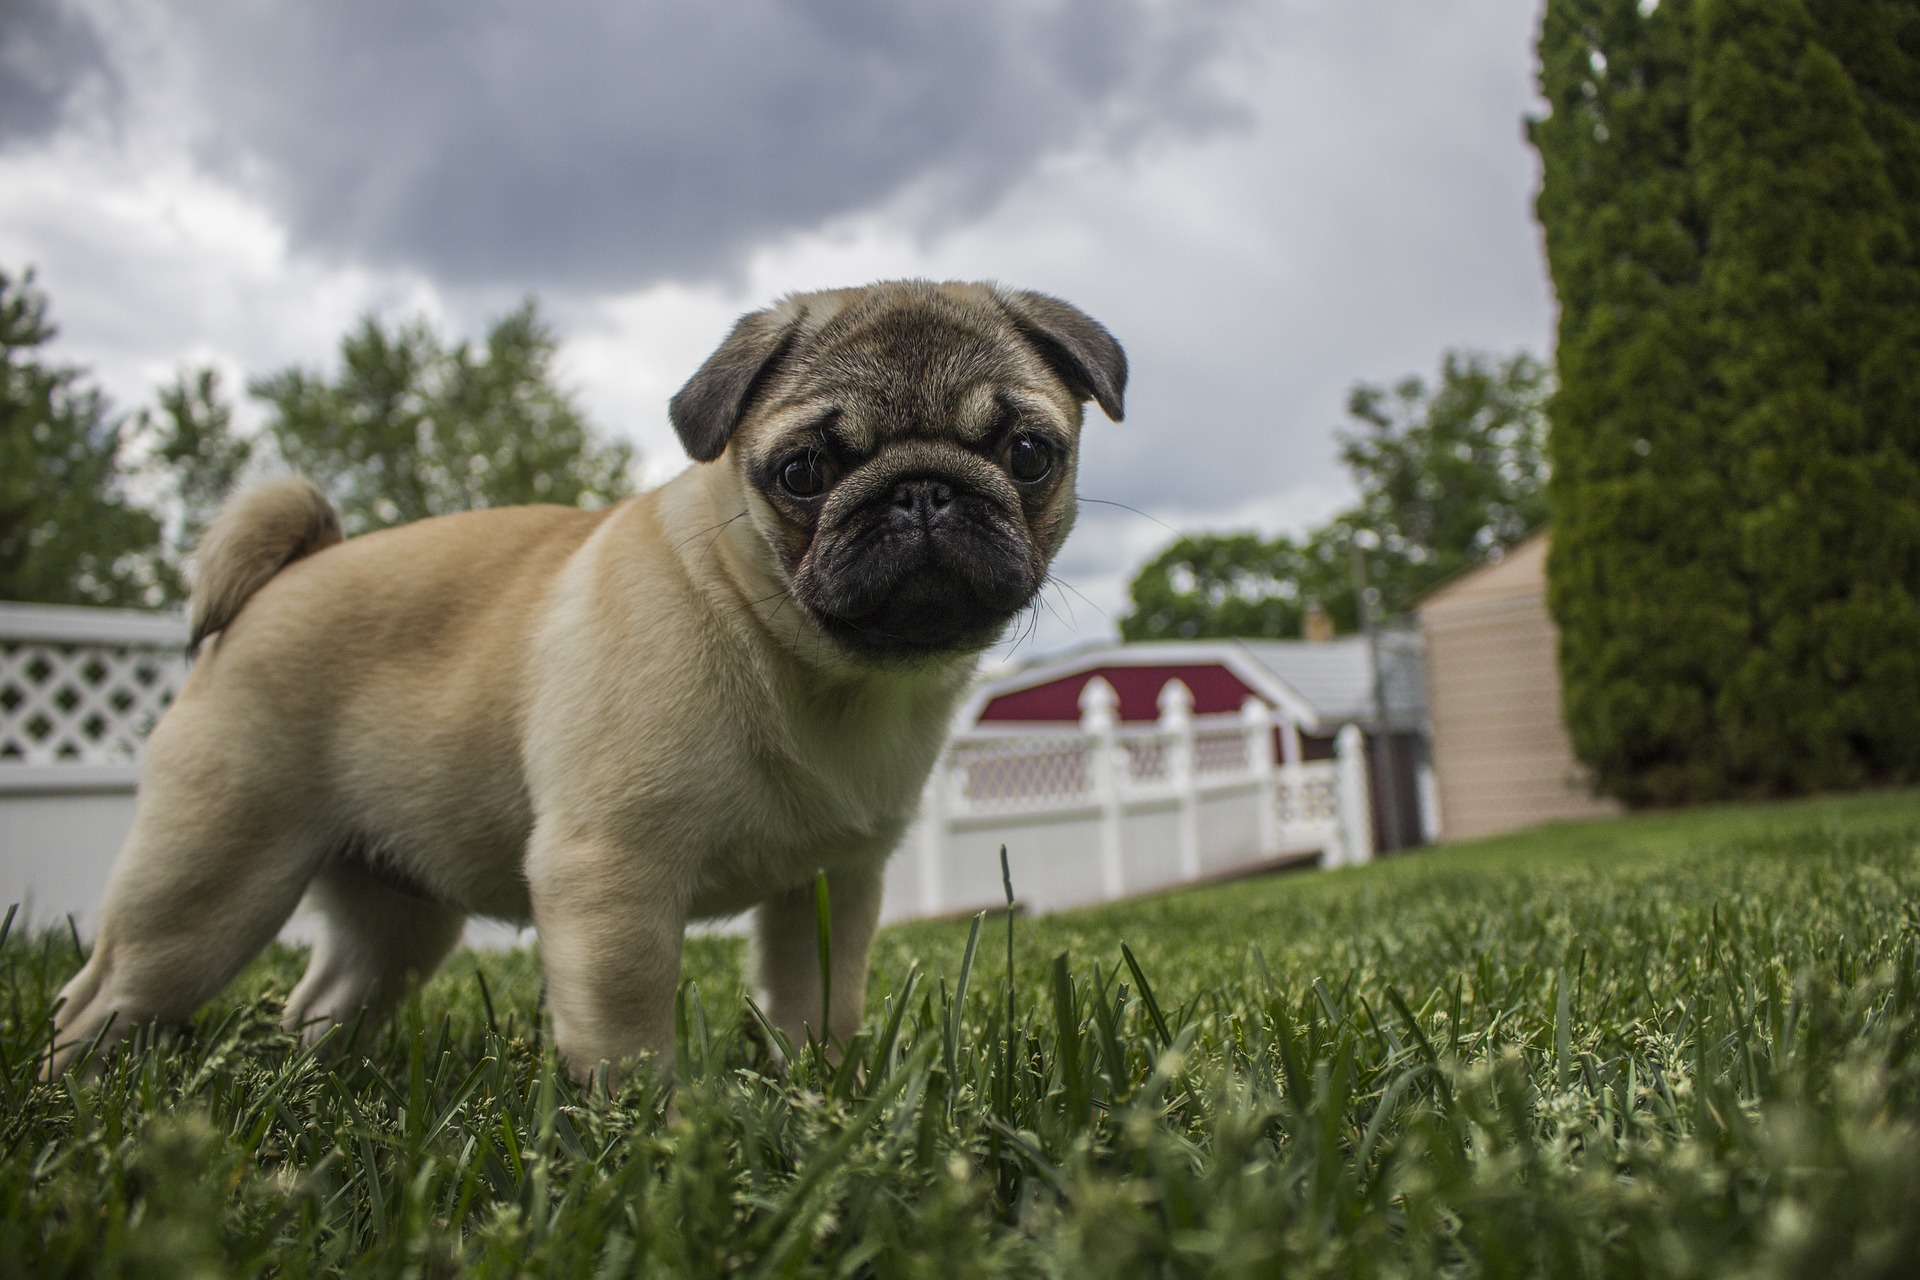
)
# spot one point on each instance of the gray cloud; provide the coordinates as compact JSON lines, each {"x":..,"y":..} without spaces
{"x":604,"y":144}
{"x":46,"y":53}
{"x":1374,"y":209}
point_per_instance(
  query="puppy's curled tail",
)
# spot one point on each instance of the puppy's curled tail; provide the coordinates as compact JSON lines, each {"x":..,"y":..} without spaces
{"x":256,"y":535}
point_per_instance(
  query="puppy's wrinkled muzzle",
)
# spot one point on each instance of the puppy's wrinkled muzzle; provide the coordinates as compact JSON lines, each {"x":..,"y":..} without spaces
{"x":929,"y":568}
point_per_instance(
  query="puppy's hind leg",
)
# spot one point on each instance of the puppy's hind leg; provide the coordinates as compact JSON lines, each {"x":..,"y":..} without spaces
{"x":200,"y":886}
{"x":376,"y":940}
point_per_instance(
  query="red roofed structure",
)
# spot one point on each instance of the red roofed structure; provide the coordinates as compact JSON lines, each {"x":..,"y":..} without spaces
{"x":1318,"y":686}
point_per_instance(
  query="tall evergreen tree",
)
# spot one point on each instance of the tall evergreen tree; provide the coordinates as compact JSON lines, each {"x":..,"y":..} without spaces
{"x":1736,"y":551}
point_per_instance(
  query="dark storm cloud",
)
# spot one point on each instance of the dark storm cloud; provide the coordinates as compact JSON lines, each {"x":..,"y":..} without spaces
{"x":605,"y":143}
{"x":46,"y":53}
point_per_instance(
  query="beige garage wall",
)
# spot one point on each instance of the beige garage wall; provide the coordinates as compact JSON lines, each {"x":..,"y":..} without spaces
{"x":1501,"y":757}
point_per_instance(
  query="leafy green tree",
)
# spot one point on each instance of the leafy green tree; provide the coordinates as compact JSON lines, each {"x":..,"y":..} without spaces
{"x":1206,"y":586}
{"x":193,"y":455}
{"x":1448,"y":476}
{"x":1729,"y":199}
{"x":69,"y":534}
{"x":411,"y":428}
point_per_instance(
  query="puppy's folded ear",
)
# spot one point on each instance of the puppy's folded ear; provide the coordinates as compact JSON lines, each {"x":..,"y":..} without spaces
{"x":1080,"y":350}
{"x":706,"y":410}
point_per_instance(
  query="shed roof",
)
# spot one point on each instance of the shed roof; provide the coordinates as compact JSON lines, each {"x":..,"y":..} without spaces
{"x":1321,"y":685}
{"x":1336,"y":676}
{"x":1522,"y":571}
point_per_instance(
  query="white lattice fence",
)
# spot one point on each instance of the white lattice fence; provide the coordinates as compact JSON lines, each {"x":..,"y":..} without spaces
{"x":1220,"y":752}
{"x":1025,"y":772}
{"x":82,"y":688}
{"x":89,"y":704}
{"x":1307,"y":795}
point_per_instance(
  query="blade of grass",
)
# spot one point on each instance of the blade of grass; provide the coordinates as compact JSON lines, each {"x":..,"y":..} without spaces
{"x":956,"y":1011}
{"x":823,"y":917}
{"x":1146,"y":996}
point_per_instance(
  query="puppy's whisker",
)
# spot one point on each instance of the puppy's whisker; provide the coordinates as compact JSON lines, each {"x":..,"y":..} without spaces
{"x":719,"y":531}
{"x":712,"y":528}
{"x":752,"y":607}
{"x":1039,"y":602}
{"x":782,"y":595}
{"x":1073,"y":618}
{"x":1106,"y":502}
{"x":1029,"y":628}
{"x":1083,"y":595}
{"x":1026,"y":625}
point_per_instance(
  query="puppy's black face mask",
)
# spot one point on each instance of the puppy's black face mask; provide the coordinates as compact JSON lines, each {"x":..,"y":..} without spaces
{"x":925,"y":546}
{"x":916,"y":454}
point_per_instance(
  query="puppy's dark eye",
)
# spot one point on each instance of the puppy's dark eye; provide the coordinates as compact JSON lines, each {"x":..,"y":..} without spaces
{"x":803,"y":476}
{"x":1030,"y":458}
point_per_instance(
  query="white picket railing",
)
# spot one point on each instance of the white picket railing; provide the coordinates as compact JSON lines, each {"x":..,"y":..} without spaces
{"x":1102,"y":810}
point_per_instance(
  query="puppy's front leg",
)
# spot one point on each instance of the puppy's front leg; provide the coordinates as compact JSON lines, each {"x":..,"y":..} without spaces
{"x":611,"y":926}
{"x":788,"y":944}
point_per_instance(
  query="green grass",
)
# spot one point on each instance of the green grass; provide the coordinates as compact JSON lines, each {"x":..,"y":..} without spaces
{"x":1676,"y":1045}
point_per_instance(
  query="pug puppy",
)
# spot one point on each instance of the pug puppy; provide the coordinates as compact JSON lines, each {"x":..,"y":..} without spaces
{"x":610,"y":723}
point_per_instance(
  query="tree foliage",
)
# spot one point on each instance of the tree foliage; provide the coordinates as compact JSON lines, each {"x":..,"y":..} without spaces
{"x":1205,"y":586}
{"x":410,"y":428}
{"x":193,"y":455}
{"x":69,"y":533}
{"x":1731,"y":201}
{"x":101,"y":509}
{"x":1451,"y":475}
{"x":1448,"y":475}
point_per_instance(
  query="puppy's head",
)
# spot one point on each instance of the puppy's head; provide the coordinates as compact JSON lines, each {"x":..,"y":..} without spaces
{"x":907,"y":450}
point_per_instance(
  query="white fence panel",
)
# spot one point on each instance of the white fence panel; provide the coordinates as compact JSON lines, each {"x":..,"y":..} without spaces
{"x":1107,"y":810}
{"x":1089,"y":812}
{"x":80,"y":689}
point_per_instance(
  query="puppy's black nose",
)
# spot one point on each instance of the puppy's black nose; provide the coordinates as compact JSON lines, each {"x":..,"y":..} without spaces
{"x":924,"y":501}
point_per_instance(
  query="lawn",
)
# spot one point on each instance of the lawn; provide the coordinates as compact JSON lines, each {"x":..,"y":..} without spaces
{"x":1673,"y":1045}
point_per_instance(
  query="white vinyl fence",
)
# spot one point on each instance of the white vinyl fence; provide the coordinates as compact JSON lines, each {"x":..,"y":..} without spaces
{"x":79,"y":691}
{"x":1103,"y":810}
{"x":1088,"y":812}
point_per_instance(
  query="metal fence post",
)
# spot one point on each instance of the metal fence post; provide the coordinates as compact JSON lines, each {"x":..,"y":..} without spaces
{"x":1354,"y":804}
{"x":1176,"y":731}
{"x":1100,"y":722}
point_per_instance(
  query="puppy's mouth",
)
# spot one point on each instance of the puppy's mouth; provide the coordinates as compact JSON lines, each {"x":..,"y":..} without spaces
{"x":929,"y":567}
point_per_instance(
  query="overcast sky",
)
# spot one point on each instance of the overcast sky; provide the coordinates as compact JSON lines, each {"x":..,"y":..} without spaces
{"x":1265,"y":201}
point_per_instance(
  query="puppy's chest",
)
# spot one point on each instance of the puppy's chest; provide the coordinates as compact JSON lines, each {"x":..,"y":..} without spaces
{"x":823,"y":805}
